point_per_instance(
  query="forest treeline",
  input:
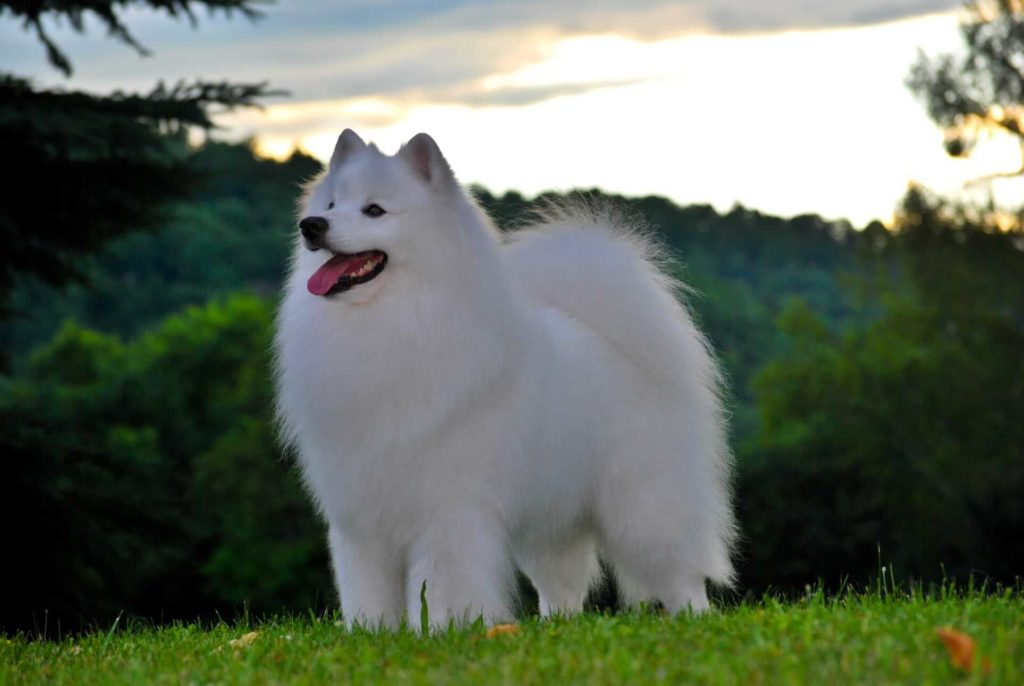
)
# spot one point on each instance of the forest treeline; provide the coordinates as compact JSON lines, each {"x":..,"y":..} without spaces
{"x":876,"y":392}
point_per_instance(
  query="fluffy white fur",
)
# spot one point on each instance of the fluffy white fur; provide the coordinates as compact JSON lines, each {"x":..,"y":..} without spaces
{"x":536,"y":400}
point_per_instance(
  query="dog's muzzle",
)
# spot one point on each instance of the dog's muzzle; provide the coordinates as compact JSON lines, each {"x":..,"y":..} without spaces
{"x":314,"y":230}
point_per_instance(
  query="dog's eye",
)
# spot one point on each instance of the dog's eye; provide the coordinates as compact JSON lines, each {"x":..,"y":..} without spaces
{"x":330,"y":205}
{"x":373,"y":210}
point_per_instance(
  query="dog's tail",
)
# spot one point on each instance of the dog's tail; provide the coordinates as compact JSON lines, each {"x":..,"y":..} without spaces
{"x":606,"y":271}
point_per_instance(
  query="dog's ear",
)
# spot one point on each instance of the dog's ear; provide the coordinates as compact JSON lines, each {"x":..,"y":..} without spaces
{"x":348,"y":142}
{"x":422,"y":154}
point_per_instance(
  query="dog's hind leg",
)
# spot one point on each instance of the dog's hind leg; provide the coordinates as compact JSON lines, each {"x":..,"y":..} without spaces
{"x":562,"y":576}
{"x":463,"y":560}
{"x":660,"y":540}
{"x":649,"y":567}
{"x":369,"y":580}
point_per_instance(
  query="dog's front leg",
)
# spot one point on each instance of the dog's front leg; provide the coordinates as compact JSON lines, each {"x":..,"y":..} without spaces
{"x":369,"y":579}
{"x":464,"y":562}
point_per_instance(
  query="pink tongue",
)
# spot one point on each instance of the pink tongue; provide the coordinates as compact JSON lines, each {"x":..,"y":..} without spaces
{"x":325,"y":277}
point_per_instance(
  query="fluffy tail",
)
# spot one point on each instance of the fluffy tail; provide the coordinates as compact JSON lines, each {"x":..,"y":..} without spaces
{"x":604,"y":270}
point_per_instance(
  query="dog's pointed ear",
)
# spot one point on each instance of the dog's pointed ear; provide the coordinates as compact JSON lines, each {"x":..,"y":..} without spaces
{"x":348,"y":142}
{"x":424,"y":157}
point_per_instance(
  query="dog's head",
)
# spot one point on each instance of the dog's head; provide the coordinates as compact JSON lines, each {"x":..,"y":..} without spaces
{"x":371,"y":213}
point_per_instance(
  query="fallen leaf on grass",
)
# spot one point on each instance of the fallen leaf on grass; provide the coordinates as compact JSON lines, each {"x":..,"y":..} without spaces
{"x":961,"y":649}
{"x":245,"y":640}
{"x":238,"y":643}
{"x":500,"y":629}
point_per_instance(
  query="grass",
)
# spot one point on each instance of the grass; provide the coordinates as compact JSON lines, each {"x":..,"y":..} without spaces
{"x":877,"y":638}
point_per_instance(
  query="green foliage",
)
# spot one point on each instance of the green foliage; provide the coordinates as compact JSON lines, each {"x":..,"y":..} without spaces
{"x":91,"y":169}
{"x":905,"y":434}
{"x":266,"y":551}
{"x":150,"y":476}
{"x":858,"y":639}
{"x":230,"y":233}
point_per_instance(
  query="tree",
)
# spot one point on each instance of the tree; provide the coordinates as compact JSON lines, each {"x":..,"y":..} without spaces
{"x":89,"y":167}
{"x":980,"y":92}
{"x":904,"y":434}
{"x":144,"y":477}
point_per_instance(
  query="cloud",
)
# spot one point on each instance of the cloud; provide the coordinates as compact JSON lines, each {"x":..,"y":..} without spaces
{"x":441,"y":52}
{"x":732,"y":16}
{"x":657,"y":19}
{"x":517,"y":96}
{"x":418,"y":51}
{"x":289,"y":120}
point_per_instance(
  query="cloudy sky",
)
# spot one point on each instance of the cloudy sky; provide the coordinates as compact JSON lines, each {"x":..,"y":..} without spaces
{"x":787,"y":106}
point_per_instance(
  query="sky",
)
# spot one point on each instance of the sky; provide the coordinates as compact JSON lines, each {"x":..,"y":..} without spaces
{"x":785,"y":106}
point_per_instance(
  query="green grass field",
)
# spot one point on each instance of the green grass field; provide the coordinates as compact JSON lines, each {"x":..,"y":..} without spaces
{"x":869,"y":639}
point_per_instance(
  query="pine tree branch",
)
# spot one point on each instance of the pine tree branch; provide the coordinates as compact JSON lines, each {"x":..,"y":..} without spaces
{"x":32,"y":12}
{"x":57,"y":58}
{"x":183,"y":104}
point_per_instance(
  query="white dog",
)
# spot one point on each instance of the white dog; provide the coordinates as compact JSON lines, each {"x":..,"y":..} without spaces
{"x":463,"y":402}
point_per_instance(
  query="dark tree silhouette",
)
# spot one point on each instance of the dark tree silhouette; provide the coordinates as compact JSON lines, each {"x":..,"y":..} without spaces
{"x":981,"y":91}
{"x":83,"y":168}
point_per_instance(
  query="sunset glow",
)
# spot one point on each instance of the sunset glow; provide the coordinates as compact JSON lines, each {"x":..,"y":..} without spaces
{"x":639,"y":101}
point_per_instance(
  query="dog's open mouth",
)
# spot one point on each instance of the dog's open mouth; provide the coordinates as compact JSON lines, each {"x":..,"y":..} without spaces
{"x":344,"y":271}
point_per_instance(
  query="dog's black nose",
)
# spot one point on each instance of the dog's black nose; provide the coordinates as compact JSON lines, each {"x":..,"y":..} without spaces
{"x":313,"y":228}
